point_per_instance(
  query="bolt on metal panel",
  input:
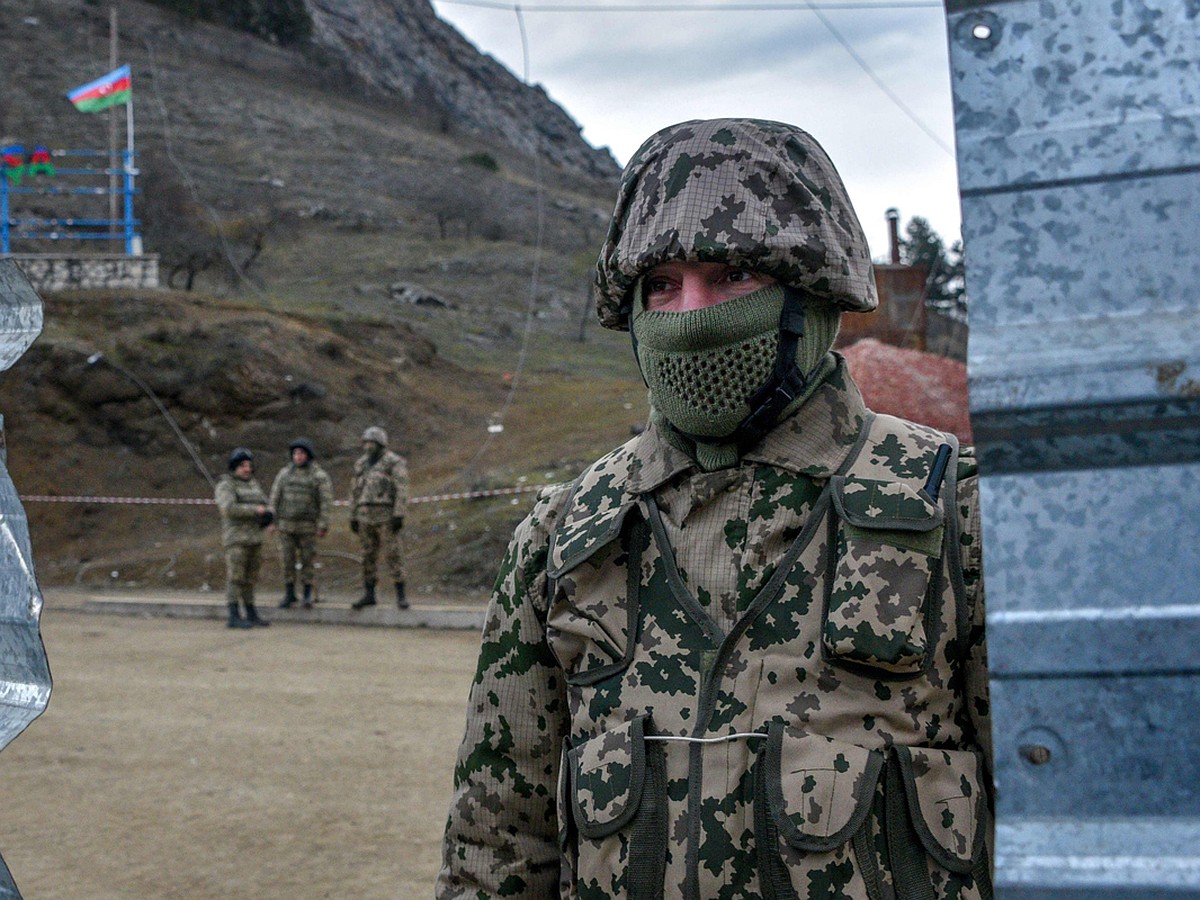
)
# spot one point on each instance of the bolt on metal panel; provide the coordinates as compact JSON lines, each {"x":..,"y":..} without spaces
{"x":1078,"y":131}
{"x":24,"y":673}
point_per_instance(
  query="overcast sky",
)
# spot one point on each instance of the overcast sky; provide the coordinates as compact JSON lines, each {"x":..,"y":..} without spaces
{"x":623,"y":75}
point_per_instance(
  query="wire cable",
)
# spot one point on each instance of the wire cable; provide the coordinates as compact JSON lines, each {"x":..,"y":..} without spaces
{"x":497,"y":423}
{"x":187,"y":445}
{"x":188,"y":180}
{"x":879,"y":82}
{"x":813,"y":6}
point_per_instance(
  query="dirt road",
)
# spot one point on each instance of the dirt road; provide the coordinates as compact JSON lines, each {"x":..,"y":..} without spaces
{"x":178,"y":758}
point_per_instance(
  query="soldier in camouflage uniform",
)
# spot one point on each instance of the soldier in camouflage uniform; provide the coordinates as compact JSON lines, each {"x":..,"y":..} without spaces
{"x":244,"y":515}
{"x":377,"y":502}
{"x":742,"y":655}
{"x":301,"y":498}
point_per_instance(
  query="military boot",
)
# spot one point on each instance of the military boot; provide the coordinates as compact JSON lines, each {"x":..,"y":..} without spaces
{"x":368,"y":597}
{"x":401,"y":602}
{"x":235,"y":617}
{"x":308,"y":601}
{"x":252,"y":617}
{"x":289,"y":595}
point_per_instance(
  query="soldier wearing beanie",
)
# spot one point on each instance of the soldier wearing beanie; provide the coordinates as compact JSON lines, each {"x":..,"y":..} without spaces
{"x":742,"y":655}
{"x":244,"y":515}
{"x":378,"y":499}
{"x":301,"y":498}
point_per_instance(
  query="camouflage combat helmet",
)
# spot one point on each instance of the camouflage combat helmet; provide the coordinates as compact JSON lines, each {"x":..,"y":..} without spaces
{"x":745,"y":192}
{"x":376,"y":434}
{"x":238,"y":456}
{"x":304,"y":444}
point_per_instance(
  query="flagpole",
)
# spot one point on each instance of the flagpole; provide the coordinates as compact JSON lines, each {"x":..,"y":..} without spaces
{"x":112,"y":123}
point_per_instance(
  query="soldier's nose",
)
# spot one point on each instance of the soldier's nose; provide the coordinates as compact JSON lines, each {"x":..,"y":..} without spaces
{"x":699,"y":293}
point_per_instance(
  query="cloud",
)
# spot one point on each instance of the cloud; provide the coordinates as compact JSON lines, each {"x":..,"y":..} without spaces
{"x":623,"y":76}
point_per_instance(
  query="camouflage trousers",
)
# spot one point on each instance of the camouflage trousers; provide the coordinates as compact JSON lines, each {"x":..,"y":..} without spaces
{"x":373,"y":537}
{"x":242,"y":563}
{"x":293,"y":548}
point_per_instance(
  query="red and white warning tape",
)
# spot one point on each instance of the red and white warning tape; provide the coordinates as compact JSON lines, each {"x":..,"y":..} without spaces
{"x":202,"y":501}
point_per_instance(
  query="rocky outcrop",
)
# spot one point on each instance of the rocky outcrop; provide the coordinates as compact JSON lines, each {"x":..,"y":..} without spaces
{"x":401,"y":47}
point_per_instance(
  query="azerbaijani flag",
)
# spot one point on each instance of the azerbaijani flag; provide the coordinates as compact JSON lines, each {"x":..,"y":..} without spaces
{"x":108,"y":90}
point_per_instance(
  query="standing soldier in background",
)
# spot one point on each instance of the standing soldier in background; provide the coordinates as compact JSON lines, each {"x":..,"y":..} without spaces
{"x":244,"y":515}
{"x":377,"y":502}
{"x":742,"y":656}
{"x":301,"y":498}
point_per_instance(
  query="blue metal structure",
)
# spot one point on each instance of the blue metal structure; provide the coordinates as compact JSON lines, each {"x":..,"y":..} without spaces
{"x":1078,"y":129}
{"x":68,"y":228}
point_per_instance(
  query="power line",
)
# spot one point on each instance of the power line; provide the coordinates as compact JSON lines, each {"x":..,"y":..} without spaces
{"x":188,"y":180}
{"x":497,"y":423}
{"x":879,"y":82}
{"x":813,"y":6}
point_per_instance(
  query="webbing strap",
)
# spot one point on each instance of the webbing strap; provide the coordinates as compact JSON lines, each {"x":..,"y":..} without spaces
{"x":868,"y":865}
{"x":906,"y":854}
{"x":983,"y":877}
{"x":786,"y":383}
{"x":773,"y":878}
{"x":648,"y":837}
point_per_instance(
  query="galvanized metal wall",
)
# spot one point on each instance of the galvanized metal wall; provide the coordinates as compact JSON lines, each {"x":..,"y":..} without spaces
{"x":1078,"y":127}
{"x":24,"y":674}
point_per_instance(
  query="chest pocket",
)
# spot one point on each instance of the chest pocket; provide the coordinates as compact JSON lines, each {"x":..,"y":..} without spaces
{"x":884,"y":571}
{"x":592,"y":621}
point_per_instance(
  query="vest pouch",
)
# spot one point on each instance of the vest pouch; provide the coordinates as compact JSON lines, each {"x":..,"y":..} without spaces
{"x":885,"y":548}
{"x":618,"y":809}
{"x":813,"y":795}
{"x":946,"y":803}
{"x":593,"y":614}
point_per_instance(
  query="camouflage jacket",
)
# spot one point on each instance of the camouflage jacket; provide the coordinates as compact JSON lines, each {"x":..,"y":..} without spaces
{"x":302,"y":497}
{"x":380,"y":489}
{"x":805,"y":630}
{"x":237,"y":500}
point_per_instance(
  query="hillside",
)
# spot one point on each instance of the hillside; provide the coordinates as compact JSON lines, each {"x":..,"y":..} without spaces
{"x":403,"y":259}
{"x":360,"y":250}
{"x":232,"y":374}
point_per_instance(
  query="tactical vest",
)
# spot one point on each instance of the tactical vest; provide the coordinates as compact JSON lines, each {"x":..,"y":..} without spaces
{"x":375,"y":482}
{"x":242,"y":527}
{"x":818,"y":748}
{"x":299,"y":497}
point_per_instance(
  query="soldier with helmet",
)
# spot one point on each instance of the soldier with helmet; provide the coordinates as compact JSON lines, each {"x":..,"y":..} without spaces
{"x":244,"y":515}
{"x":743,"y":654}
{"x":377,"y":501}
{"x":302,"y":499}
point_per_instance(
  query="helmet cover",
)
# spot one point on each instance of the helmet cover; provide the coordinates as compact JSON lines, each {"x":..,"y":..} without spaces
{"x":304,"y":444}
{"x":239,"y":456}
{"x":749,"y":193}
{"x":376,"y":434}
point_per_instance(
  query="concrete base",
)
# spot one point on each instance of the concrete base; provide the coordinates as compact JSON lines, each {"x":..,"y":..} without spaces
{"x":51,"y":272}
{"x":325,"y":613}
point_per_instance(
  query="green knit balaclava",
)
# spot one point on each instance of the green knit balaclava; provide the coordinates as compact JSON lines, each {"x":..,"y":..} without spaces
{"x":703,"y":366}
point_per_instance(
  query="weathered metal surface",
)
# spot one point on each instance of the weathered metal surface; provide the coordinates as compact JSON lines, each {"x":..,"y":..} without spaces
{"x":1078,"y":129}
{"x":24,"y":673}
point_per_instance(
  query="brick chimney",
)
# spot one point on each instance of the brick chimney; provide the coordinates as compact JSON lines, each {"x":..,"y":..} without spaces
{"x":893,"y":218}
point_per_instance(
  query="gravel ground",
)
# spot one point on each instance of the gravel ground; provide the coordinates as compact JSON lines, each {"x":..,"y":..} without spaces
{"x":178,"y":758}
